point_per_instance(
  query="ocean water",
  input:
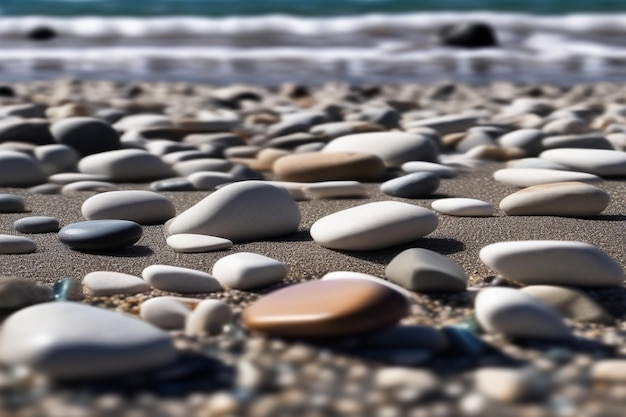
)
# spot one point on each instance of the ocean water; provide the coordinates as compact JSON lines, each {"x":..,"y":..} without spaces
{"x":311,"y":41}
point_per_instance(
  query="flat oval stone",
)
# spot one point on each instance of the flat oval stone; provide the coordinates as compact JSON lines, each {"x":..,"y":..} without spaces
{"x":186,"y":168}
{"x":415,"y":185}
{"x":553,"y":262}
{"x":10,"y":203}
{"x":36,"y":224}
{"x":143,"y":207}
{"x":46,"y":189}
{"x":126,"y":165}
{"x":182,"y":280}
{"x":209,"y":317}
{"x":16,"y":293}
{"x":242,"y":211}
{"x":19,"y":170}
{"x":527,"y":177}
{"x":105,"y":283}
{"x":57,"y":158}
{"x":167,"y":313}
{"x":374,"y":226}
{"x":207,"y":181}
{"x":87,"y":135}
{"x":539,"y":163}
{"x":570,"y":199}
{"x":442,"y":171}
{"x":14,"y":245}
{"x":463,"y":207}
{"x":172,"y":184}
{"x":394,"y":148}
{"x":193,"y":243}
{"x":246,"y":271}
{"x":423,"y":270}
{"x":65,"y":178}
{"x":518,"y":315}
{"x":100,"y":235}
{"x":327,"y":309}
{"x":67,"y":340}
{"x":336,"y":189}
{"x":335,"y":166}
{"x":601,"y":162}
{"x":87,"y":186}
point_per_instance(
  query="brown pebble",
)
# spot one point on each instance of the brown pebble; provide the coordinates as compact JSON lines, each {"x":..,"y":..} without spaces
{"x":312,"y":167}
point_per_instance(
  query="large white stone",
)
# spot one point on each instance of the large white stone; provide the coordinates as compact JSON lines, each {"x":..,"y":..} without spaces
{"x":465,"y":207}
{"x":394,"y":148}
{"x":527,"y":177}
{"x":374,"y":226}
{"x":104,"y":283}
{"x":71,"y":341}
{"x":602,"y":162}
{"x":193,"y":243}
{"x":143,"y":207}
{"x":515,"y":314}
{"x":553,"y":262}
{"x":126,"y":165}
{"x":246,"y":271}
{"x":177,"y":279}
{"x":243,"y":211}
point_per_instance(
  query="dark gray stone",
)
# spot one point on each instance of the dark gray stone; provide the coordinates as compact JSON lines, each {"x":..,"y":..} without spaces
{"x":10,"y":203}
{"x":100,"y":235}
{"x":416,"y":185}
{"x":426,"y":271}
{"x":87,"y":135}
{"x":36,"y":224}
{"x":36,"y":132}
{"x":172,"y":184}
{"x":468,"y":35}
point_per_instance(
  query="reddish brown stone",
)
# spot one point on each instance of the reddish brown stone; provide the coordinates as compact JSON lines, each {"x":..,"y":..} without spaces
{"x":332,"y":166}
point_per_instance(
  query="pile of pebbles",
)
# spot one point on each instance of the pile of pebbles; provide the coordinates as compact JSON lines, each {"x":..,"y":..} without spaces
{"x":259,"y":251}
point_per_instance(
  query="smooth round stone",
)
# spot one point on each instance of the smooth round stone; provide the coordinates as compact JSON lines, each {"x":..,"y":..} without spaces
{"x":512,"y":385}
{"x":518,"y":315}
{"x":327,"y":309}
{"x":527,"y":177}
{"x":373,"y":226}
{"x":553,"y":262}
{"x":194,"y":243}
{"x":335,"y":166}
{"x":19,"y":170}
{"x":100,"y":235}
{"x":538,"y":163}
{"x":587,"y":141}
{"x":247,"y":271}
{"x":209,"y":317}
{"x":463,"y":207}
{"x":14,"y":245}
{"x":207,"y":181}
{"x":182,"y":155}
{"x":393,"y":378}
{"x":57,"y":158}
{"x":10,"y":203}
{"x":172,"y":184}
{"x":366,"y":277}
{"x":423,"y":270}
{"x":143,"y":207}
{"x":16,"y":293}
{"x":141,"y":121}
{"x":394,"y":148}
{"x":46,"y":189}
{"x":336,"y":189}
{"x":126,"y":165}
{"x":445,"y":124}
{"x":66,"y":340}
{"x":243,"y":211}
{"x":570,"y":303}
{"x":527,"y":139}
{"x":37,"y":224}
{"x":168,"y":313}
{"x":87,"y":135}
{"x":186,"y":168}
{"x":442,"y":171}
{"x":87,"y":186}
{"x":65,"y":178}
{"x":601,"y":162}
{"x":34,"y":131}
{"x":572,"y":199}
{"x":416,"y":185}
{"x":105,"y":283}
{"x":177,"y":279}
{"x":565,"y":126}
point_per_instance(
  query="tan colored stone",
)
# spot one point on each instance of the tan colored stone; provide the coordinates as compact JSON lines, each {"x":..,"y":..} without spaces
{"x":336,"y":166}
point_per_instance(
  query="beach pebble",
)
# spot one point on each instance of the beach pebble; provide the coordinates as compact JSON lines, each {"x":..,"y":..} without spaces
{"x":527,"y":139}
{"x":569,"y":199}
{"x":527,"y":177}
{"x":336,"y":189}
{"x":422,"y":380}
{"x":444,"y":124}
{"x":511,"y":385}
{"x":570,"y":303}
{"x":126,"y":165}
{"x":141,"y":121}
{"x":423,"y":270}
{"x":207,"y":181}
{"x":11,"y":203}
{"x":553,"y":262}
{"x":105,"y":283}
{"x":194,"y":243}
{"x":415,"y":185}
{"x":186,"y":168}
{"x":601,"y":162}
{"x":46,"y":189}
{"x":168,"y":313}
{"x":247,"y":271}
{"x":518,"y":315}
{"x":538,"y":163}
{"x":326,"y":309}
{"x":394,"y":148}
{"x":143,"y":207}
{"x":100,"y":235}
{"x":585,"y":141}
{"x":442,"y":171}
{"x":463,"y":207}
{"x":86,"y":135}
{"x":14,"y":245}
{"x":609,"y":370}
{"x":178,"y":279}
{"x":37,"y":224}
{"x":82,"y":342}
{"x":172,"y":184}
{"x":209,"y":317}
{"x":335,"y":166}
{"x":87,"y":186}
{"x":56,"y":158}
{"x":565,"y":126}
{"x":373,"y":226}
{"x":367,"y":277}
{"x":242,"y":211}
{"x":16,"y":293}
{"x":25,"y":110}
{"x":64,"y":178}
{"x":19,"y":170}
